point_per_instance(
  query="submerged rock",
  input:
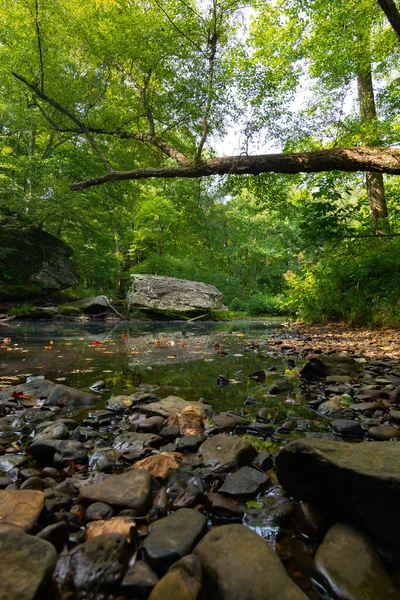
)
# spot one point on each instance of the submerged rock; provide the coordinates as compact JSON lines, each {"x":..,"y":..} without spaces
{"x":172,"y":296}
{"x":346,"y":481}
{"x":237,"y":563}
{"x":348,"y":567}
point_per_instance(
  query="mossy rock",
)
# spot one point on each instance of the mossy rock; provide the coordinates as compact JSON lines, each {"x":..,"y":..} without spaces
{"x":33,"y":263}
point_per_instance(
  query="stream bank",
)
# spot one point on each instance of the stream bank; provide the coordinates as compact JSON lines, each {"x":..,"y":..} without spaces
{"x":235,"y":430}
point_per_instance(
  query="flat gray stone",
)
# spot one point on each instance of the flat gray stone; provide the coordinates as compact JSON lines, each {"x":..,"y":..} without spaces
{"x":173,"y":537}
{"x":55,"y":431}
{"x":226,"y":452}
{"x":347,"y":565}
{"x":131,"y":441}
{"x":26,"y":563}
{"x":244,"y":483}
{"x":346,"y":481}
{"x":131,"y":489}
{"x":9,"y":461}
{"x":238,"y":564}
{"x":169,"y":406}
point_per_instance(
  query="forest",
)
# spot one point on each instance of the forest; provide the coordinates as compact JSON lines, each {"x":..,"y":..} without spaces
{"x":250,"y":146}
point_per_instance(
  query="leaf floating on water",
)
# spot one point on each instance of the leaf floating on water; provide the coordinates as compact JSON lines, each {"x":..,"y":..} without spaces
{"x":122,"y":525}
{"x":172,"y":356}
{"x":48,"y":347}
{"x":124,"y":335}
{"x":96,"y":343}
{"x":160,"y":465}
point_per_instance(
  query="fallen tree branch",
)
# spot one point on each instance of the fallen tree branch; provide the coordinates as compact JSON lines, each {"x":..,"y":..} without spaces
{"x":363,"y":158}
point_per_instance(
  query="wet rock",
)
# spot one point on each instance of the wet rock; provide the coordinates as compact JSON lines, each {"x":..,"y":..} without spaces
{"x":222,"y":422}
{"x":262,"y":430}
{"x":170,"y":406}
{"x":365,"y":408}
{"x":224,"y":508}
{"x":139,"y":580}
{"x":326,"y":364}
{"x":338,"y":379}
{"x":384,"y":433}
{"x":33,"y":483}
{"x":237,"y":563}
{"x":173,"y":537}
{"x":55,"y":431}
{"x":225,"y":452}
{"x":152,"y":425}
{"x":182,"y":582}
{"x":99,"y":511}
{"x":131,"y":489}
{"x":21,"y":507}
{"x":119,"y":404}
{"x":170,"y":432}
{"x":244,"y":483}
{"x":26,"y":563}
{"x":59,"y":452}
{"x":131,"y":441}
{"x":179,"y":481}
{"x":98,"y":564}
{"x":95,"y":305}
{"x":345,"y":473}
{"x":190,"y":443}
{"x":57,"y":534}
{"x":189,"y":498}
{"x":263,"y":461}
{"x":347,"y":565}
{"x":283,"y":385}
{"x":267,"y":415}
{"x":368,"y":395}
{"x":335,"y":409}
{"x":309,"y":521}
{"x":346,"y":427}
{"x":52,"y":393}
{"x":10,"y":461}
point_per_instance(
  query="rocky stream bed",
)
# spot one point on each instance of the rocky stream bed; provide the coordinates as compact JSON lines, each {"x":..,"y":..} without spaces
{"x":293,"y":494}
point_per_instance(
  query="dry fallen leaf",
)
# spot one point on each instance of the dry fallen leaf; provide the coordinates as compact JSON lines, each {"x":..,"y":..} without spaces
{"x":160,"y":465}
{"x":190,"y":421}
{"x":122,"y":525}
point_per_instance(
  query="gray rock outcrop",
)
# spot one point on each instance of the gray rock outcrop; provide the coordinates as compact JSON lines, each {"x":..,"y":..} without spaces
{"x":172,"y":296}
{"x":33,"y":262}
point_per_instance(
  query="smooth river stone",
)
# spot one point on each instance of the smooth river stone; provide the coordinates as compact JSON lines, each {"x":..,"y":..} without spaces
{"x":347,"y":565}
{"x":173,"y":537}
{"x":21,"y":507}
{"x":26,"y":563}
{"x":346,"y":481}
{"x":225,"y":452}
{"x":132,"y":489}
{"x":237,"y":563}
{"x":169,"y":406}
{"x":244,"y":483}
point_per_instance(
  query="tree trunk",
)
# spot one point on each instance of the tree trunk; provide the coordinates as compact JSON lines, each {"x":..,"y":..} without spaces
{"x":390,"y":9}
{"x":374,"y":181}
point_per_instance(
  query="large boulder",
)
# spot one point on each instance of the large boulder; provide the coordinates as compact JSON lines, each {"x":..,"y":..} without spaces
{"x":173,"y":297}
{"x":33,"y":263}
{"x":358,"y":482}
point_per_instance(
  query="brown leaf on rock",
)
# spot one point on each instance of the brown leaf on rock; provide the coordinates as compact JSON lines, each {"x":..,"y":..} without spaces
{"x":122,"y":525}
{"x":160,"y":465}
{"x":190,"y":421}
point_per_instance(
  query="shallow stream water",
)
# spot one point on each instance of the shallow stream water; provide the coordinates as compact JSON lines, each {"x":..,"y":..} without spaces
{"x":178,"y":358}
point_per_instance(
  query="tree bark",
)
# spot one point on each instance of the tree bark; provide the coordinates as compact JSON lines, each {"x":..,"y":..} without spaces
{"x":358,"y":159}
{"x":390,"y":9}
{"x":374,"y":181}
